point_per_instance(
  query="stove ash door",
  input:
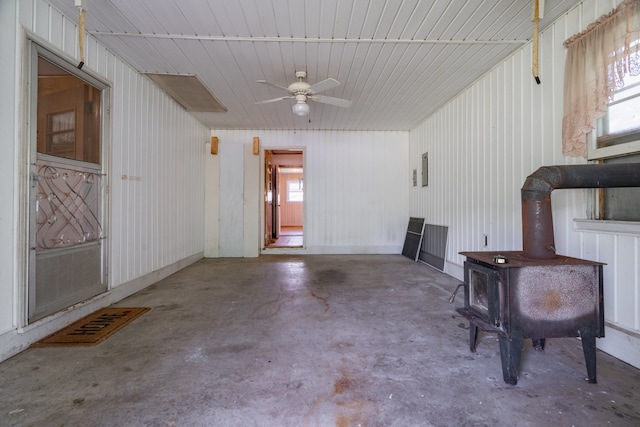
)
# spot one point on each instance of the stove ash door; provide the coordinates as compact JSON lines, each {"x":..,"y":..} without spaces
{"x":482,"y":293}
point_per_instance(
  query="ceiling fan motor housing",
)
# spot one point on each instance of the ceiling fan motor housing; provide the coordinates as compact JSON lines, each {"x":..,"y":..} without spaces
{"x":300,"y":88}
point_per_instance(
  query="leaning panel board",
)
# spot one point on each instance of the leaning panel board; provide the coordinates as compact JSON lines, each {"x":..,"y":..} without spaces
{"x":413,"y":239}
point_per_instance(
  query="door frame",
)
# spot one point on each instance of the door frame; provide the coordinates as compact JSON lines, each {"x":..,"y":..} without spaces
{"x":263,"y":203}
{"x":36,"y":48}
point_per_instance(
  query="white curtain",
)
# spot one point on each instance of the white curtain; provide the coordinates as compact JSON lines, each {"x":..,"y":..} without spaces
{"x":597,"y":61}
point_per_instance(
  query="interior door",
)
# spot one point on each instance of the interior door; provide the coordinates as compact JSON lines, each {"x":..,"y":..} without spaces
{"x":268,"y":199}
{"x":275,"y":205}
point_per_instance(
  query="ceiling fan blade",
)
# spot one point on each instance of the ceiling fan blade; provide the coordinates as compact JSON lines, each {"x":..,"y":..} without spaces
{"x":324,"y":85}
{"x":267,"y":101}
{"x":339,"y":102}
{"x":272,"y":84}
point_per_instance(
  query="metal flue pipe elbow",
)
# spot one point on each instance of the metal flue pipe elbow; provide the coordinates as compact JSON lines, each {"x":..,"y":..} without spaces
{"x":537,"y":219}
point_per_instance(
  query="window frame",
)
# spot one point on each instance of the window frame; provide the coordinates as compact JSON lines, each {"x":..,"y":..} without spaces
{"x":301,"y":190}
{"x":595,"y":153}
{"x":40,"y":52}
{"x":601,"y":144}
{"x":629,"y":144}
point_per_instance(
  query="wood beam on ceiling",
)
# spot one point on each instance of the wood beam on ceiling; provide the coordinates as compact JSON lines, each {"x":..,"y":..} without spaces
{"x":304,"y":39}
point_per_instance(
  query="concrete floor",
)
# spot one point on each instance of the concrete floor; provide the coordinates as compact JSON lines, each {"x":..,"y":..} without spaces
{"x":362,"y":340}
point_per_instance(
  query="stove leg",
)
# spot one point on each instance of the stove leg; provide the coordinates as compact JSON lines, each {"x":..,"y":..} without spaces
{"x":538,"y":344}
{"x":589,"y":350}
{"x":510,"y":351}
{"x":473,"y":337}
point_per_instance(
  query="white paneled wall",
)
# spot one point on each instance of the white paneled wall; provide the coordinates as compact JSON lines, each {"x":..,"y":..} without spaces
{"x":231,"y":195}
{"x":486,"y":141}
{"x":156,"y":148}
{"x":10,"y":226}
{"x":356,"y":188}
{"x":154,"y":166}
{"x":156,"y":178}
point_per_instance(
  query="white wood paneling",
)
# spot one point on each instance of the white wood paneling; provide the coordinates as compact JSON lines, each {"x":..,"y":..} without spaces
{"x":408,"y":54}
{"x":154,"y":159}
{"x":484,"y":143}
{"x":355,"y":188}
{"x":212,"y":204}
{"x":157,"y":177}
{"x":252,"y":188}
{"x":231,"y":199}
{"x":11,"y":227}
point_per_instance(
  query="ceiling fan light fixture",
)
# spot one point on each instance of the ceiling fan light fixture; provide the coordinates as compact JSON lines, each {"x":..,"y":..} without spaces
{"x":301,"y":108}
{"x":301,"y":91}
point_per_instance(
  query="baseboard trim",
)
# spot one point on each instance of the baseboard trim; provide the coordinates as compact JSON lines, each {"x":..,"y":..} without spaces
{"x":334,"y":250}
{"x":621,"y":343}
{"x":454,"y":270}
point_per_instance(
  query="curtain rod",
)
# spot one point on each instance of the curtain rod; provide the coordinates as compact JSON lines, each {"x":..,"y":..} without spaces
{"x":622,"y":7}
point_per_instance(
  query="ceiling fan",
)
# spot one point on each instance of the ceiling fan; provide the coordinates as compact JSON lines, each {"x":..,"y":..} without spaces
{"x":301,"y":91}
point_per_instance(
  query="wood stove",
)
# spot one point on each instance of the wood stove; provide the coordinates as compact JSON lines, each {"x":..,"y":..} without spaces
{"x":536,"y":293}
{"x":520,"y":298}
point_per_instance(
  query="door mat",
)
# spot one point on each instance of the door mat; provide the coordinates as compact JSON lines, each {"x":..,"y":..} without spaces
{"x":94,"y":328}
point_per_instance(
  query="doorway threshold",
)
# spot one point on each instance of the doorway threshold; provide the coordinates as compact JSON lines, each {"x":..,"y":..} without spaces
{"x":282,"y":250}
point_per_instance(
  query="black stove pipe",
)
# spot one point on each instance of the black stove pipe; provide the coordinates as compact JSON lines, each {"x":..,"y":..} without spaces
{"x":537,"y":221}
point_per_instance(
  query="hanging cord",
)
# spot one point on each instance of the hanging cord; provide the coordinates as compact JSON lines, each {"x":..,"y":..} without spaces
{"x":81,"y":37}
{"x":536,"y":37}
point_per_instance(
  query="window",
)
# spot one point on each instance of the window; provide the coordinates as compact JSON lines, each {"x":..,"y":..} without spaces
{"x":60,"y":131}
{"x":598,"y":60}
{"x":66,"y":128}
{"x":295,"y":190}
{"x":69,"y":114}
{"x":617,"y":140}
{"x":621,"y":124}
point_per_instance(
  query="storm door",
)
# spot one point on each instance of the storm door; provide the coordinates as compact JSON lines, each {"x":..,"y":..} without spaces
{"x":67,"y":186}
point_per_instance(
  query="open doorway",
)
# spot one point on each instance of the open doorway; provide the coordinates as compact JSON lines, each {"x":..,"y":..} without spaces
{"x":284,"y":199}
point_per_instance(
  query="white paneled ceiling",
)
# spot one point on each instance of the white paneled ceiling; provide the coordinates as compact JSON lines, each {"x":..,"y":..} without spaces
{"x":397,"y":60}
